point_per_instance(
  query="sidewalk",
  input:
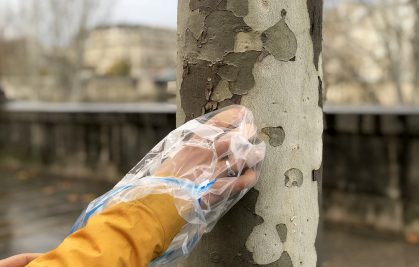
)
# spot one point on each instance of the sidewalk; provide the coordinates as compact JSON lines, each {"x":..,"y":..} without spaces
{"x":351,"y":248}
{"x":36,"y":213}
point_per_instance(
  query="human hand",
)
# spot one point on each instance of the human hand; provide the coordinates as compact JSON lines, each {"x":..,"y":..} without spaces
{"x":230,"y":158}
{"x":20,"y":260}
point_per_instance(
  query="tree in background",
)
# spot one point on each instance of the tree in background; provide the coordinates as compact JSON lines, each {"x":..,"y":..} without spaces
{"x":54,"y":33}
{"x":266,"y":56}
{"x":415,"y":46}
{"x":368,"y":51}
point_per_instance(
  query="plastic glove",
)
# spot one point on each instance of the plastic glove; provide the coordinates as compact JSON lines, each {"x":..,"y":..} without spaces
{"x":207,"y":165}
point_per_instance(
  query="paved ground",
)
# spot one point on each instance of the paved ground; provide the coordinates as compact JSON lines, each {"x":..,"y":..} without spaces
{"x":349,"y":248}
{"x":37,"y":213}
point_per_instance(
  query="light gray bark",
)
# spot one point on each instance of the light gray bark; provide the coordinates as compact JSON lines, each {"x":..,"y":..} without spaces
{"x":264,"y":55}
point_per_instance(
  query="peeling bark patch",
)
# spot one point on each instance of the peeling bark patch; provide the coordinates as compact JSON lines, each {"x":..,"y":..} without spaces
{"x":221,"y":92}
{"x":246,"y":61}
{"x":236,"y":99}
{"x":199,"y":74}
{"x":196,"y":23}
{"x":245,"y":41}
{"x":191,"y":44}
{"x":282,"y":232}
{"x":204,"y":5}
{"x":276,"y":135}
{"x":280,"y":41}
{"x":228,"y":72}
{"x":293,"y":178}
{"x":237,"y":7}
{"x":218,"y":39}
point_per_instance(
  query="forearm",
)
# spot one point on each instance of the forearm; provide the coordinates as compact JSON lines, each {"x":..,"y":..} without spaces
{"x":128,"y":234}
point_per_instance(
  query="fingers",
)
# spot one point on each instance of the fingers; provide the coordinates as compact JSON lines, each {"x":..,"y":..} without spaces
{"x":239,"y":136}
{"x":229,"y":167}
{"x":222,"y":145}
{"x":247,"y":180}
{"x":232,"y":118}
{"x":19,"y":260}
{"x":228,"y":118}
{"x":227,"y":187}
{"x":236,"y":153}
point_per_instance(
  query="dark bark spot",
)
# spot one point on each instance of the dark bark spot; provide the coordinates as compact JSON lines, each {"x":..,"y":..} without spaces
{"x":293,"y":178}
{"x":276,"y":135}
{"x":280,"y":41}
{"x":228,"y":72}
{"x":236,"y":99}
{"x":204,"y":5}
{"x":238,"y":8}
{"x":221,"y":28}
{"x":285,"y":260}
{"x":199,"y":79}
{"x":229,"y":236}
{"x":282,"y":232}
{"x":245,"y":61}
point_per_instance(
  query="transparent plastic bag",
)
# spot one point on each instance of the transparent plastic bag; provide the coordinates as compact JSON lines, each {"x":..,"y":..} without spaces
{"x":207,"y":165}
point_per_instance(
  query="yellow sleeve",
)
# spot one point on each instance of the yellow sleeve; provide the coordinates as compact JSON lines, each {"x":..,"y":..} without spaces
{"x":127,"y":234}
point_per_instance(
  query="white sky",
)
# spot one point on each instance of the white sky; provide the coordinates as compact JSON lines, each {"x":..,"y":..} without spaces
{"x":151,"y":12}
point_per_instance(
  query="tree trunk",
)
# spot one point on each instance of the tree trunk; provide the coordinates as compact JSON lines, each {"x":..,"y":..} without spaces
{"x":264,"y":55}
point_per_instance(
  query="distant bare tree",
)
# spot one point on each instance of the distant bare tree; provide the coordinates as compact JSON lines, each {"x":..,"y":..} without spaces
{"x":70,"y":28}
{"x":342,"y":59}
{"x":383,"y":23}
{"x":415,"y":49}
{"x":60,"y":27}
{"x":5,"y":22}
{"x":387,"y":19}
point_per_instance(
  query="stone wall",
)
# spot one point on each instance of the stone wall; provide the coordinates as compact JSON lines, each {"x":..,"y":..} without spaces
{"x":371,"y":161}
{"x":81,"y":144}
{"x":371,"y":171}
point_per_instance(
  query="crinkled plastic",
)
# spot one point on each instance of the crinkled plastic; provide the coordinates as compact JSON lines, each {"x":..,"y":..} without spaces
{"x":207,"y":165}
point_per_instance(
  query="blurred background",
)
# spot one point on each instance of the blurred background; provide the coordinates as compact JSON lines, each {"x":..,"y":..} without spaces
{"x":87,"y":87}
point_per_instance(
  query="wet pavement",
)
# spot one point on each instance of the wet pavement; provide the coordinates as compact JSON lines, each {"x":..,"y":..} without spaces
{"x":37,"y":213}
{"x":348,"y":248}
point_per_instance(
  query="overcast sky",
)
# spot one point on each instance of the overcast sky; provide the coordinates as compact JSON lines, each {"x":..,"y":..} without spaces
{"x":151,"y":12}
{"x":154,"y":12}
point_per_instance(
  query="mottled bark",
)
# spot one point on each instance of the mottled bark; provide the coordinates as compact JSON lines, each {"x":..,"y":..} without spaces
{"x":264,"y":55}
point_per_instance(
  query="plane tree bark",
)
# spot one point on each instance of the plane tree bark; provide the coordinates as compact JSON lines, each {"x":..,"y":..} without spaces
{"x":265,"y":55}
